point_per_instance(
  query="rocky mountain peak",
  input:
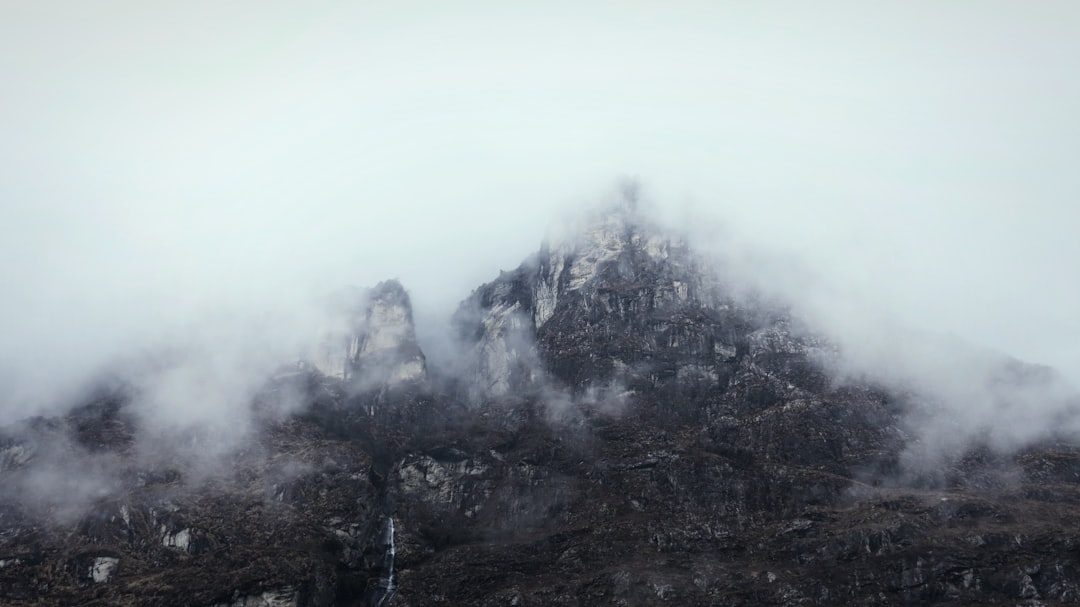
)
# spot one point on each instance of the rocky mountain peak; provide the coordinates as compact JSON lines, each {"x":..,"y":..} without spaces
{"x":618,"y":246}
{"x":617,"y":291}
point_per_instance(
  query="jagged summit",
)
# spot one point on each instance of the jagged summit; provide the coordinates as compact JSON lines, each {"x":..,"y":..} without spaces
{"x":619,"y":245}
{"x":618,"y":298}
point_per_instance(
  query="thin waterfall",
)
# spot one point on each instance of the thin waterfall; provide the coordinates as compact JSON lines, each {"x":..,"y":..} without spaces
{"x":387,"y":583}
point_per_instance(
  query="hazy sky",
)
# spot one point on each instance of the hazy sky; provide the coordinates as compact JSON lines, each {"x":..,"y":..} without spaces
{"x":162,"y":161}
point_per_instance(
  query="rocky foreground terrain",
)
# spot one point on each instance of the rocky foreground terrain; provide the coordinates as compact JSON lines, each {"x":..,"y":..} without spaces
{"x":618,"y":429}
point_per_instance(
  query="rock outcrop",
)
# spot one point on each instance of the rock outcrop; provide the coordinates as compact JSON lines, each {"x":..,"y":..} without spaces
{"x":376,"y":346}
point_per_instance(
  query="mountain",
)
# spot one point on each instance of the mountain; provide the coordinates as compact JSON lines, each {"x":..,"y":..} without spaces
{"x":620,"y":427}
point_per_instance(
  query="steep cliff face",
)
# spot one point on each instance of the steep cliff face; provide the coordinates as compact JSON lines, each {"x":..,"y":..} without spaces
{"x":624,"y":432}
{"x":376,"y":346}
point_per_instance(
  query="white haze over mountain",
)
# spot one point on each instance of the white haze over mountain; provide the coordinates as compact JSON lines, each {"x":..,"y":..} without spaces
{"x":188,"y":180}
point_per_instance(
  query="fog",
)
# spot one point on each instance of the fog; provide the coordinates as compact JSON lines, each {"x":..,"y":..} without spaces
{"x":193,"y":181}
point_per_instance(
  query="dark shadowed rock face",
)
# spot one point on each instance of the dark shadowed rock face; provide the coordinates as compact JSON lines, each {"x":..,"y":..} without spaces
{"x":625,"y":434}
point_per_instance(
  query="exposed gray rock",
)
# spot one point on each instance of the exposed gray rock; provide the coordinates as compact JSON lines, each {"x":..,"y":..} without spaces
{"x":376,"y":346}
{"x":101,"y":569}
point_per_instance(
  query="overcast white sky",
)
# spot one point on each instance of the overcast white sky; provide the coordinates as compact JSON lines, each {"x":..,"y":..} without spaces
{"x":158,"y":159}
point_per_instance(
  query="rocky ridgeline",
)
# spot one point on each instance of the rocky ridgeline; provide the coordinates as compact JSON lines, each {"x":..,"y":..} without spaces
{"x":619,"y":430}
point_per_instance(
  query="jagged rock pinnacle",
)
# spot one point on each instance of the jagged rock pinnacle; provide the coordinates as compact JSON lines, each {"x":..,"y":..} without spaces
{"x":378,"y":347}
